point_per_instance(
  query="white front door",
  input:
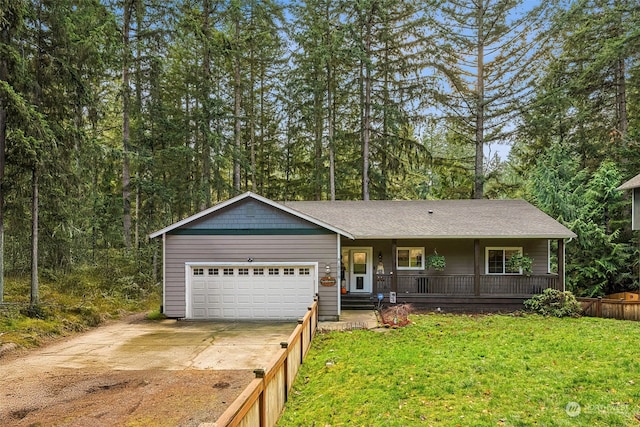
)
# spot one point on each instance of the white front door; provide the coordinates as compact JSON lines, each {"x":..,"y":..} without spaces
{"x":360,"y":266}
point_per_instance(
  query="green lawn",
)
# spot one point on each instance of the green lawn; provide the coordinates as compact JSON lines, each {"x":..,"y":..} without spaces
{"x":489,"y":370}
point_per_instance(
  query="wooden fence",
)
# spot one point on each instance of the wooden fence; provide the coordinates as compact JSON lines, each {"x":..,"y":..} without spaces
{"x":262,"y":402}
{"x":610,"y":308}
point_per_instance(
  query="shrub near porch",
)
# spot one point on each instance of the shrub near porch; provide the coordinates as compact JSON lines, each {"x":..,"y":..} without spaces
{"x":472,"y":370}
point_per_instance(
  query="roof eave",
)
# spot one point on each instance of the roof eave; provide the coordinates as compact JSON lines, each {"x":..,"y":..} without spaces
{"x":630,"y":184}
{"x":444,"y":237}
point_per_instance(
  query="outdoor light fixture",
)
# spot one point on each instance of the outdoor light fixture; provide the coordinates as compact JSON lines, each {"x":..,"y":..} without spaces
{"x":327,"y":269}
{"x":380,"y":256}
{"x":249,"y":259}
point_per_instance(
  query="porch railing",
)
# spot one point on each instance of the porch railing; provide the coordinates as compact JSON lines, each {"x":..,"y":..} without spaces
{"x":463,"y":284}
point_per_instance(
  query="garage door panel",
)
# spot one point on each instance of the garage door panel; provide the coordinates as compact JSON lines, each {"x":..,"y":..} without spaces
{"x":256,"y":292}
{"x":244,"y":300}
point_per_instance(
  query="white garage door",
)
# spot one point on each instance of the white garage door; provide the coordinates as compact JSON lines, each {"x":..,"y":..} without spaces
{"x":235,"y":292}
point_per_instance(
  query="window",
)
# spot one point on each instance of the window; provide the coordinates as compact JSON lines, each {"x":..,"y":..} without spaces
{"x":198,"y":271}
{"x":227,"y":271}
{"x":258,"y":271}
{"x":289,"y":271}
{"x":498,"y":258}
{"x":274,"y":271}
{"x":213,"y":272}
{"x":359,"y":262}
{"x":410,"y":258}
{"x":304,"y":271}
{"x":243,"y":272}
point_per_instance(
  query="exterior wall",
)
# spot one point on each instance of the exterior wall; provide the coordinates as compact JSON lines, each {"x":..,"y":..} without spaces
{"x":458,"y":253}
{"x":179,"y":249}
{"x":635,"y":210}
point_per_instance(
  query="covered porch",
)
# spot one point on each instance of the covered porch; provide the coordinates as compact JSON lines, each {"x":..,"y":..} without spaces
{"x":370,"y":269}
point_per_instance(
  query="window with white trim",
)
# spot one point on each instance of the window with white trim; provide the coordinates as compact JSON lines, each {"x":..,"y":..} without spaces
{"x":243,"y":272}
{"x":213,"y":272}
{"x":227,"y":271}
{"x":198,"y":271}
{"x":258,"y":271}
{"x":274,"y":271}
{"x":304,"y":271}
{"x":288,"y":271}
{"x":497,"y":259}
{"x":410,"y":258}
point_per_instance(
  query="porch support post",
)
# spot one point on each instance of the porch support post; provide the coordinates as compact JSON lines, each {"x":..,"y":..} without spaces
{"x":476,"y":267}
{"x":561,"y":266}
{"x":394,"y":267}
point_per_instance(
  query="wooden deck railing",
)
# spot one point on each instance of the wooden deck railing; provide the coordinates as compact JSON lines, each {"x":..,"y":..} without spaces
{"x":261,"y":403}
{"x":462,"y":285}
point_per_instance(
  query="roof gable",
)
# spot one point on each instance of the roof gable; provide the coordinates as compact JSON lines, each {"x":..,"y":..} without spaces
{"x":251,"y":213}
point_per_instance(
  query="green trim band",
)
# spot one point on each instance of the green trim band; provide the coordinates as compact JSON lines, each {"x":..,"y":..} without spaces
{"x":249,"y":232}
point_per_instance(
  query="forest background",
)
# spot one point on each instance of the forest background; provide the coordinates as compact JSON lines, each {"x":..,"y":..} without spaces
{"x":119,"y":117}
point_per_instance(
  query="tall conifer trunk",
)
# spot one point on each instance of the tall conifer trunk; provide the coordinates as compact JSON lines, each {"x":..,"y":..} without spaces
{"x":478,"y":191}
{"x":237,"y":105}
{"x":3,"y":143}
{"x":126,"y":107}
{"x":366,"y":122}
{"x":35,"y":294}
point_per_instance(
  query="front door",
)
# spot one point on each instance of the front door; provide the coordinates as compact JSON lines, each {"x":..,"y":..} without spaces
{"x":359,"y":266}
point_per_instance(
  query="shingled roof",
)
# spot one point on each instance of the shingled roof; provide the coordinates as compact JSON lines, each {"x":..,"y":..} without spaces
{"x":632,"y":183}
{"x":435,"y":219}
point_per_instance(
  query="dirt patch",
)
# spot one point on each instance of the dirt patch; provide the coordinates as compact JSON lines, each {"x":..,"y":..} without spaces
{"x":136,"y":398}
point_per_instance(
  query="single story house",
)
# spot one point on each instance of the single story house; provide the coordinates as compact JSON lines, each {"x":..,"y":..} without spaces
{"x":253,"y":258}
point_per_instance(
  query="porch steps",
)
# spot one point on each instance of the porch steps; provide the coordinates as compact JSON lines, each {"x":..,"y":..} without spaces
{"x":357,"y":302}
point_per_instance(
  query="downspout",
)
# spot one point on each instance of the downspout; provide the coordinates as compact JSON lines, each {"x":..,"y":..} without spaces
{"x":561,"y":264}
{"x":339,"y":271}
{"x":164,"y":273}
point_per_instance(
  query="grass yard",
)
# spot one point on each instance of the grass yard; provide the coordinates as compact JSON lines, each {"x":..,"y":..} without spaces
{"x":460,"y":370}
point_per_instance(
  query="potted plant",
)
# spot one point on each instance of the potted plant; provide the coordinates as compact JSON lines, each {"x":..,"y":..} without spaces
{"x":436,"y":261}
{"x":519,"y":262}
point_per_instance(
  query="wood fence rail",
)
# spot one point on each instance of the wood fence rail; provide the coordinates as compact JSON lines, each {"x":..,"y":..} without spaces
{"x":262,"y":402}
{"x":610,"y":308}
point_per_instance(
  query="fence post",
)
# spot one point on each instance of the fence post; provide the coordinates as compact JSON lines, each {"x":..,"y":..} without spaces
{"x":300,"y":322}
{"x":262,"y":405}
{"x":599,"y":307}
{"x":285,"y":345}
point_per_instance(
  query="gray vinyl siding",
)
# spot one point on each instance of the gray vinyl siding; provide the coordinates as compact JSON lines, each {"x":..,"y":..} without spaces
{"x":459,"y":253}
{"x":635,"y":220}
{"x":250,"y":214}
{"x":274,"y":248}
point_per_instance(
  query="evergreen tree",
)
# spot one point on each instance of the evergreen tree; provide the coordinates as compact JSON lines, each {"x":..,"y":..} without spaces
{"x":486,"y":69}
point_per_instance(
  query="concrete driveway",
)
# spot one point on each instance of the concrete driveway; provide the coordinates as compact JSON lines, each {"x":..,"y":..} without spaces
{"x":164,"y":345}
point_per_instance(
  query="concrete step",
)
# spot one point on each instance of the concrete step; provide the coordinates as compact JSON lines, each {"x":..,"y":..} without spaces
{"x":357,"y":302}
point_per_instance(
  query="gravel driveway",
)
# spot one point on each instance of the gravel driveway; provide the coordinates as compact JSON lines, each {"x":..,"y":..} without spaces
{"x":137,"y":372}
